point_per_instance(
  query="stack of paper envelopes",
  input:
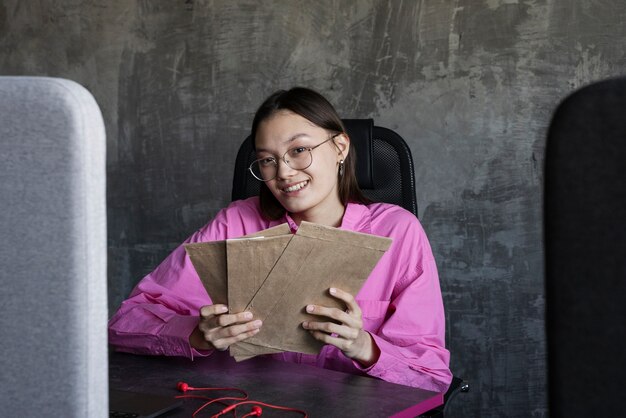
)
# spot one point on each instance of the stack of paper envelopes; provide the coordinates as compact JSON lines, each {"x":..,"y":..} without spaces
{"x":274,"y":274}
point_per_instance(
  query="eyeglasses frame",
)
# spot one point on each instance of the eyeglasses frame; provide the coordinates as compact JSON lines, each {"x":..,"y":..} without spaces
{"x":309,"y":149}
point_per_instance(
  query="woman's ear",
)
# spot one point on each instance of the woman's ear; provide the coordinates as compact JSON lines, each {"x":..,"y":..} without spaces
{"x":342,"y":142}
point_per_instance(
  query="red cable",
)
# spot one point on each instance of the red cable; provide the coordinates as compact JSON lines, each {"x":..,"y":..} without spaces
{"x":235,"y":405}
{"x":243,"y":392}
{"x":206,"y":398}
{"x":184,"y":387}
{"x":256,"y":411}
{"x":219,"y":400}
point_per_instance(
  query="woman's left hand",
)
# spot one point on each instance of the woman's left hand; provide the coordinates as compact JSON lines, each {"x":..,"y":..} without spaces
{"x":348,"y":335}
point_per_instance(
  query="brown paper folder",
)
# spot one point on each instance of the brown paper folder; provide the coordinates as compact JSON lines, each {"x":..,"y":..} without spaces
{"x":243,"y":350}
{"x":316,"y":258}
{"x":276,"y":274}
{"x":249,"y":262}
{"x":209,"y":260}
{"x":211,"y":263}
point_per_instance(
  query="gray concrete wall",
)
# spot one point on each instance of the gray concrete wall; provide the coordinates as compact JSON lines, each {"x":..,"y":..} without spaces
{"x":470,"y":84}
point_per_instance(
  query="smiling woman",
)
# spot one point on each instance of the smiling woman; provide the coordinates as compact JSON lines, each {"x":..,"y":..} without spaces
{"x":392,"y":329}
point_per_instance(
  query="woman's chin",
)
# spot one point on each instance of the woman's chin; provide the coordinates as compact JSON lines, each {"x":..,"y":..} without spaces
{"x":294,"y":208}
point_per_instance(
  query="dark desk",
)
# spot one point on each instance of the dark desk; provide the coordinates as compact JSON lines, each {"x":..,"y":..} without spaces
{"x":319,"y":392}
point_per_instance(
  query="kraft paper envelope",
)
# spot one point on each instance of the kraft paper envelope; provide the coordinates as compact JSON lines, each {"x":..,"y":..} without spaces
{"x":244,"y":350}
{"x":255,"y":251}
{"x":316,"y":258}
{"x":211,"y":263}
{"x":249,"y":262}
{"x":323,"y":257}
{"x":209,"y":260}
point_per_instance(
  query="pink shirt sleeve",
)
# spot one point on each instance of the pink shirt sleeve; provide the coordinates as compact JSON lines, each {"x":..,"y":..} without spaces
{"x":411,"y":340}
{"x":163,"y":309}
{"x":412,"y":337}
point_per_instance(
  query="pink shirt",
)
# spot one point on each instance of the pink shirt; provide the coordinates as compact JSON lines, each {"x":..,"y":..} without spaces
{"x":400,"y":301}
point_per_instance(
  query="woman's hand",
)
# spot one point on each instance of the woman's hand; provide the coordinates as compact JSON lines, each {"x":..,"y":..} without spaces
{"x":348,"y":335}
{"x":219,"y":330}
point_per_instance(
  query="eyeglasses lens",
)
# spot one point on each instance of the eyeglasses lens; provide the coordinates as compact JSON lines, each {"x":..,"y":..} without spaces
{"x":296,"y":158}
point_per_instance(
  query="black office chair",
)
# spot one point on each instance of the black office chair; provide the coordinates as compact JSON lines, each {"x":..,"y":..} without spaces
{"x":384,"y":169}
{"x":585,"y":250}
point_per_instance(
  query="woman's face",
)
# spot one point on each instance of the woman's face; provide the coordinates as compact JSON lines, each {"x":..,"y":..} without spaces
{"x":309,"y":194}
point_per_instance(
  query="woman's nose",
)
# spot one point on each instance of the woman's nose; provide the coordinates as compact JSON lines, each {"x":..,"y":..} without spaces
{"x":283,"y":170}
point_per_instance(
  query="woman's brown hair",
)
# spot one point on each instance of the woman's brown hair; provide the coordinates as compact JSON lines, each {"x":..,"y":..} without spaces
{"x":316,"y":109}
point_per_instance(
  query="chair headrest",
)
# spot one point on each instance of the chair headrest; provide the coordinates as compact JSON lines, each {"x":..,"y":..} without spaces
{"x":360,"y":133}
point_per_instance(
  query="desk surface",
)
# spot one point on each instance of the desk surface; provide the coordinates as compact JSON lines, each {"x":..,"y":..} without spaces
{"x":319,"y":392}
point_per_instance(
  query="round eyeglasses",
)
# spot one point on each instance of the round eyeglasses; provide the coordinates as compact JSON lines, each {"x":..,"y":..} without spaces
{"x":298,"y":158}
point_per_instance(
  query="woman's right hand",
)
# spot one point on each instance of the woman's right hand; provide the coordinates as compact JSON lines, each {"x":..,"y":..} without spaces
{"x":218,"y":330}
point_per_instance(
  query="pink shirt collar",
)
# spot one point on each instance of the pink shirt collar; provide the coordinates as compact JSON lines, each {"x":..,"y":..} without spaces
{"x":357,"y":217}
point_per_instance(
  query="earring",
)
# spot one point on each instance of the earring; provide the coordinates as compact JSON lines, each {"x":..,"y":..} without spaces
{"x":341,"y":168}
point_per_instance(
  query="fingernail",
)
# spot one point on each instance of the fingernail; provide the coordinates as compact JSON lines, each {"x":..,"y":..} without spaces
{"x":222,"y":309}
{"x":305,"y":324}
{"x":247,"y":315}
{"x":332,"y":290}
{"x":310,"y":308}
{"x":257,"y":323}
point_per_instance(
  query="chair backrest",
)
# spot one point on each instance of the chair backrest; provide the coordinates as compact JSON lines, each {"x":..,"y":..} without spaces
{"x":53,"y":309}
{"x":585,"y":249}
{"x":384,"y":165}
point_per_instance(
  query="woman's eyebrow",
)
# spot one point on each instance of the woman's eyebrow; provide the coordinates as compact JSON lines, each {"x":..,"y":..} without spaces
{"x":290,"y":139}
{"x":296,"y":136}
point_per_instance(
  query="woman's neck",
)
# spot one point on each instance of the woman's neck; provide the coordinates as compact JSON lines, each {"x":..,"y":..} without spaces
{"x":325,"y":217}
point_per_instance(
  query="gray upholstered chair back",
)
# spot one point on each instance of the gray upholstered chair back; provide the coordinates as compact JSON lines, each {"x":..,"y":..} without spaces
{"x":52,"y":250}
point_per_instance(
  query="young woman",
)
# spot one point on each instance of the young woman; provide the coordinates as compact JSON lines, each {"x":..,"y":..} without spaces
{"x":392,"y":329}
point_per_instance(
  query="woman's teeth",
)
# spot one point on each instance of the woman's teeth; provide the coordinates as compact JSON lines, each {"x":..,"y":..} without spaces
{"x":295,"y":187}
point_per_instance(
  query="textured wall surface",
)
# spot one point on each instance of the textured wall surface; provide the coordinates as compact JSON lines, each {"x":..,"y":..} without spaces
{"x":470,"y":84}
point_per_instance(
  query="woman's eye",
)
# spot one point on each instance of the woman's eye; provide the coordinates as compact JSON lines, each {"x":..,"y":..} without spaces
{"x":297,"y":151}
{"x":265,"y":162}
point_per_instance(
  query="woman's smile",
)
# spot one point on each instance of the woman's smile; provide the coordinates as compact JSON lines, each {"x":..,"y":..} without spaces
{"x":294,"y":187}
